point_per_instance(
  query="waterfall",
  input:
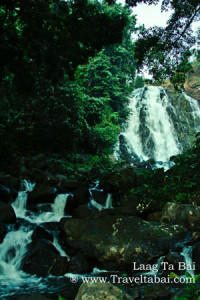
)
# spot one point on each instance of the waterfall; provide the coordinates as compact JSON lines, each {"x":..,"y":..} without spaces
{"x":14,"y":246}
{"x":158,"y":126}
{"x":19,"y":204}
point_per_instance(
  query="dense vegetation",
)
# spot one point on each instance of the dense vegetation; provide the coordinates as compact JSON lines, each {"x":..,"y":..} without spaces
{"x":50,"y":100}
{"x":67,"y":68}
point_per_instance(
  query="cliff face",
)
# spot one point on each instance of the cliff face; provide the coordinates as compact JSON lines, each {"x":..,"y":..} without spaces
{"x":192,"y":84}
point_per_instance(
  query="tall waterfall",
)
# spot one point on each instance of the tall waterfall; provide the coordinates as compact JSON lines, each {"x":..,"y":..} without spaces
{"x":159,"y":126}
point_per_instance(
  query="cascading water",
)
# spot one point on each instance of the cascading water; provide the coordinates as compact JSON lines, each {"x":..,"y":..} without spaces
{"x":158,"y":126}
{"x":14,"y":245}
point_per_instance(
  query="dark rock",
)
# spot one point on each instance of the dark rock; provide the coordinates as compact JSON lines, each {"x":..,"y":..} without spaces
{"x":3,"y":231}
{"x":41,"y":233}
{"x":106,"y":291}
{"x":43,"y":259}
{"x":52,"y":226}
{"x":81,"y":194}
{"x":114,"y":242}
{"x":99,"y":196}
{"x":7,"y":213}
{"x":82,"y":212}
{"x":79,"y":264}
{"x":5,"y":194}
{"x":71,"y":184}
{"x":79,"y":197}
{"x":174,"y":259}
{"x":34,"y":297}
{"x":10,"y":181}
{"x":182,"y":214}
{"x":41,"y":194}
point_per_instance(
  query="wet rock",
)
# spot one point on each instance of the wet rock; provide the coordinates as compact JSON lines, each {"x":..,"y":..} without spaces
{"x":79,"y":264}
{"x":101,"y":291}
{"x":41,"y":233}
{"x":113,"y":242}
{"x":52,"y":226}
{"x":182,"y":214}
{"x":3,"y":231}
{"x":41,"y":194}
{"x":7,"y":213}
{"x":43,"y":259}
{"x":79,"y":197}
{"x":99,"y":196}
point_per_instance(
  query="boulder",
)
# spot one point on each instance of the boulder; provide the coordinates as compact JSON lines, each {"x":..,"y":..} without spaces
{"x":181,"y":214}
{"x":113,"y":242}
{"x":101,"y":291}
{"x":43,"y":259}
{"x":82,"y":212}
{"x":41,"y":194}
{"x":7,"y":213}
{"x":79,"y":264}
{"x":79,"y":197}
{"x":41,"y":233}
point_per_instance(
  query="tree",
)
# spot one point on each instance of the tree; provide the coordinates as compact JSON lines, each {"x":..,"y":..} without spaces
{"x":166,"y":50}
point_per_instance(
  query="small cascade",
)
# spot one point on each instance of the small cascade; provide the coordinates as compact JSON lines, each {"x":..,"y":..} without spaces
{"x":12,"y":251}
{"x":54,"y":215}
{"x":159,"y":126}
{"x":58,"y":208}
{"x":187,"y":254}
{"x":58,"y":247}
{"x":109,"y":201}
{"x":95,"y":204}
{"x":19,"y":204}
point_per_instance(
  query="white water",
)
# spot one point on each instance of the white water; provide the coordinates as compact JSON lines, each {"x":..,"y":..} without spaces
{"x":19,"y":204}
{"x":155,"y":126}
{"x":14,"y":245}
{"x":96,"y":205}
{"x":12,"y":250}
{"x":187,"y":254}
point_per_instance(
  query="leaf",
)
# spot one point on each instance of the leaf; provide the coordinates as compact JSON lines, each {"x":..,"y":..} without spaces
{"x":61,"y":298}
{"x":173,"y":275}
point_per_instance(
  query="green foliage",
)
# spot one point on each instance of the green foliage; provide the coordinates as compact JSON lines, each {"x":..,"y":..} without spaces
{"x":166,"y":50}
{"x":192,"y":291}
{"x":43,"y":106}
{"x":139,"y":82}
